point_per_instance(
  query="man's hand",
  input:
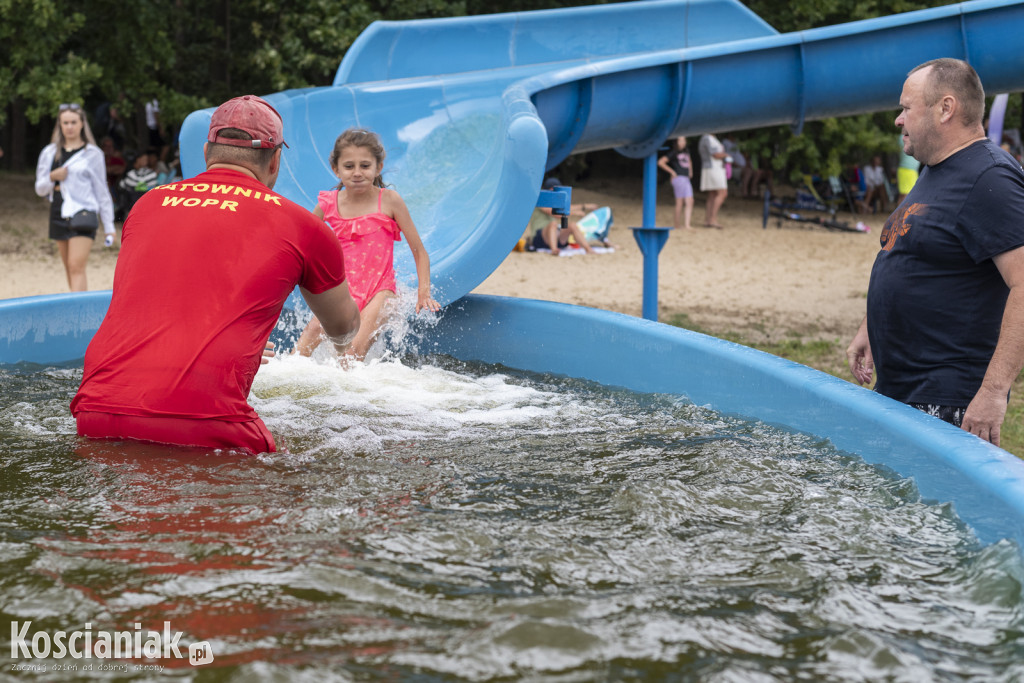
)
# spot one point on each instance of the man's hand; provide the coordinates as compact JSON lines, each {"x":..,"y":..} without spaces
{"x":984,"y":416}
{"x":268,"y":353}
{"x":337,"y":313}
{"x":858,"y":356}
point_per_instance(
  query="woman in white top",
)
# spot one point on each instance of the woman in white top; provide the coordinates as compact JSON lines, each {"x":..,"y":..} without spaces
{"x":713,"y":179}
{"x":72,"y":173}
{"x":874,"y":181}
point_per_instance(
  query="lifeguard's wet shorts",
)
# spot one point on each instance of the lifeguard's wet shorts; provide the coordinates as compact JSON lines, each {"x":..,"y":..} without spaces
{"x":252,"y":436}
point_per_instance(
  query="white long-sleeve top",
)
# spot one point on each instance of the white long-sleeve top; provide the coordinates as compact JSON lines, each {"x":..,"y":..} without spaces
{"x":874,"y":175}
{"x":84,"y":188}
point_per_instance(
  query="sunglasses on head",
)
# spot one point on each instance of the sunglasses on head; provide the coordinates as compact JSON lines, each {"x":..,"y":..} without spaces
{"x":73,"y":106}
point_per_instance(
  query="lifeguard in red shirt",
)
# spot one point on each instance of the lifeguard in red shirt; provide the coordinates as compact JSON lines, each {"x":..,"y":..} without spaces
{"x":204,"y":269}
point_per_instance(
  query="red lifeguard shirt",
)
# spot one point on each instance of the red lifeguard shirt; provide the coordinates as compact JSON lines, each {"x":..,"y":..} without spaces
{"x":204,"y":269}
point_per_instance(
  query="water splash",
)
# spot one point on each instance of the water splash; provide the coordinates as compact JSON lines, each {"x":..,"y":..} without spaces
{"x":398,"y":335}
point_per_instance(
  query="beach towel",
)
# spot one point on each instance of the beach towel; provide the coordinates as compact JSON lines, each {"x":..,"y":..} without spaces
{"x":596,"y":224}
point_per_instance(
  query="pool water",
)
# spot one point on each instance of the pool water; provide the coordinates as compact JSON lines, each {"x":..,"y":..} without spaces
{"x":437,"y":520}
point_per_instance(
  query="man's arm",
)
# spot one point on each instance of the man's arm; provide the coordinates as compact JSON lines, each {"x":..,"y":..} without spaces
{"x":858,"y":355}
{"x":984,"y":415}
{"x":337,"y":312}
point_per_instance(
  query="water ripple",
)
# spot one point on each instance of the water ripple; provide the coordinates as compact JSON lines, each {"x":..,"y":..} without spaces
{"x":449,"y":521}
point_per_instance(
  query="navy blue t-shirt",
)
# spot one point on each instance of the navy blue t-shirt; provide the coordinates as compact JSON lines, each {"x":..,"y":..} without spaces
{"x":936,"y":298}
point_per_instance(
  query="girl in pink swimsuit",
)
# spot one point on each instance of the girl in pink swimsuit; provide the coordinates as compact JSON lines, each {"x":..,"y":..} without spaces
{"x":368,"y":219}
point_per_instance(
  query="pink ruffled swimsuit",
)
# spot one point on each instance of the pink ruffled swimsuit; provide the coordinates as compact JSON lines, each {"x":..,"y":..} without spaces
{"x":368,"y":243}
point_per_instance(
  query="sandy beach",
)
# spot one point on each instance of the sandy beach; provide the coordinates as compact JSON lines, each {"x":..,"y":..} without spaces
{"x":793,"y":281}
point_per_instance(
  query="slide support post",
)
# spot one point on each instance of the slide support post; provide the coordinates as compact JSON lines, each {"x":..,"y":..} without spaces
{"x":650,"y":238}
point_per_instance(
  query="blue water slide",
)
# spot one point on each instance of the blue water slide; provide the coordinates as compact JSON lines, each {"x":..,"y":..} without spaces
{"x":474,"y":110}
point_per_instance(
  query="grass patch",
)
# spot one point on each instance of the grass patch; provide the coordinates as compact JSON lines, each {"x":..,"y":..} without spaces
{"x":830,"y":357}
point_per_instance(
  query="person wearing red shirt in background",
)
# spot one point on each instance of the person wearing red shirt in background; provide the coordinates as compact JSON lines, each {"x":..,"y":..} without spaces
{"x":205,"y":266}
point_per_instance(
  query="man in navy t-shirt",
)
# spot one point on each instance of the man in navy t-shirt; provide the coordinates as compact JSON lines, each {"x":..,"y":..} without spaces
{"x":945,"y":311}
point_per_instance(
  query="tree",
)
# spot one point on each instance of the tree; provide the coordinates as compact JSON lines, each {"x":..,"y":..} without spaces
{"x":36,"y":72}
{"x":786,"y":16}
{"x":191,"y":54}
{"x":35,"y":65}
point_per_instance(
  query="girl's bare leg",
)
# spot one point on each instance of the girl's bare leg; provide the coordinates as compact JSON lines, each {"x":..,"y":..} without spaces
{"x":714,"y":202}
{"x":310,"y":338}
{"x":62,"y":249}
{"x":581,"y":239}
{"x":74,"y":254}
{"x":371,"y":319}
{"x":551,"y":236}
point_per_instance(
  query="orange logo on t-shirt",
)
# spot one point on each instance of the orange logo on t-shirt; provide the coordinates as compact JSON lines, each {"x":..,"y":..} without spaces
{"x":899,"y":225}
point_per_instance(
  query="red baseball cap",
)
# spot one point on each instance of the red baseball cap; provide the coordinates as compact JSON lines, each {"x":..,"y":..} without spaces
{"x":251,"y":114}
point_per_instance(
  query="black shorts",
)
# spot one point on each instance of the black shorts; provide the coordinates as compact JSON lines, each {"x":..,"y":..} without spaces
{"x":60,"y":228}
{"x":954,"y":415}
{"x":539,"y":243}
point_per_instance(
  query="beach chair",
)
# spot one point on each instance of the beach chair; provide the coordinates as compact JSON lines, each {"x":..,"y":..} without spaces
{"x":828,"y":195}
{"x":783,"y":212}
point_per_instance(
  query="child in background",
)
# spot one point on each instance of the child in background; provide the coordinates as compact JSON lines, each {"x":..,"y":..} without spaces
{"x":368,"y":219}
{"x":136,"y":182}
{"x":678,"y":165}
{"x":140,"y":177}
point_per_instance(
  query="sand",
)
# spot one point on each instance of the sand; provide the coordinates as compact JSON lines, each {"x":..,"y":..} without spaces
{"x":793,"y":281}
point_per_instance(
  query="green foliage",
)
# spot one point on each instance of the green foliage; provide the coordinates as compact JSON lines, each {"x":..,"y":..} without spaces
{"x":189,"y":53}
{"x":474,"y":7}
{"x":798,"y":15}
{"x":36,"y":67}
{"x":827,"y":147}
{"x":137,"y":53}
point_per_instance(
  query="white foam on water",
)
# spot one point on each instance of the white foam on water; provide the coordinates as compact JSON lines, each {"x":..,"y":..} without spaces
{"x":366,"y":406}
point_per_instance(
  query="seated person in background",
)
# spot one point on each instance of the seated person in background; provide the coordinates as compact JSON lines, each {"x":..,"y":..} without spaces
{"x":116,"y":166}
{"x":158,"y":166}
{"x":756,"y":173}
{"x":142,"y":176}
{"x":548,"y":232}
{"x":115,"y":163}
{"x":1011,"y":136}
{"x":1007,"y":147}
{"x":170,"y":171}
{"x":136,"y":182}
{"x":875,"y":189}
{"x":546,"y":227}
